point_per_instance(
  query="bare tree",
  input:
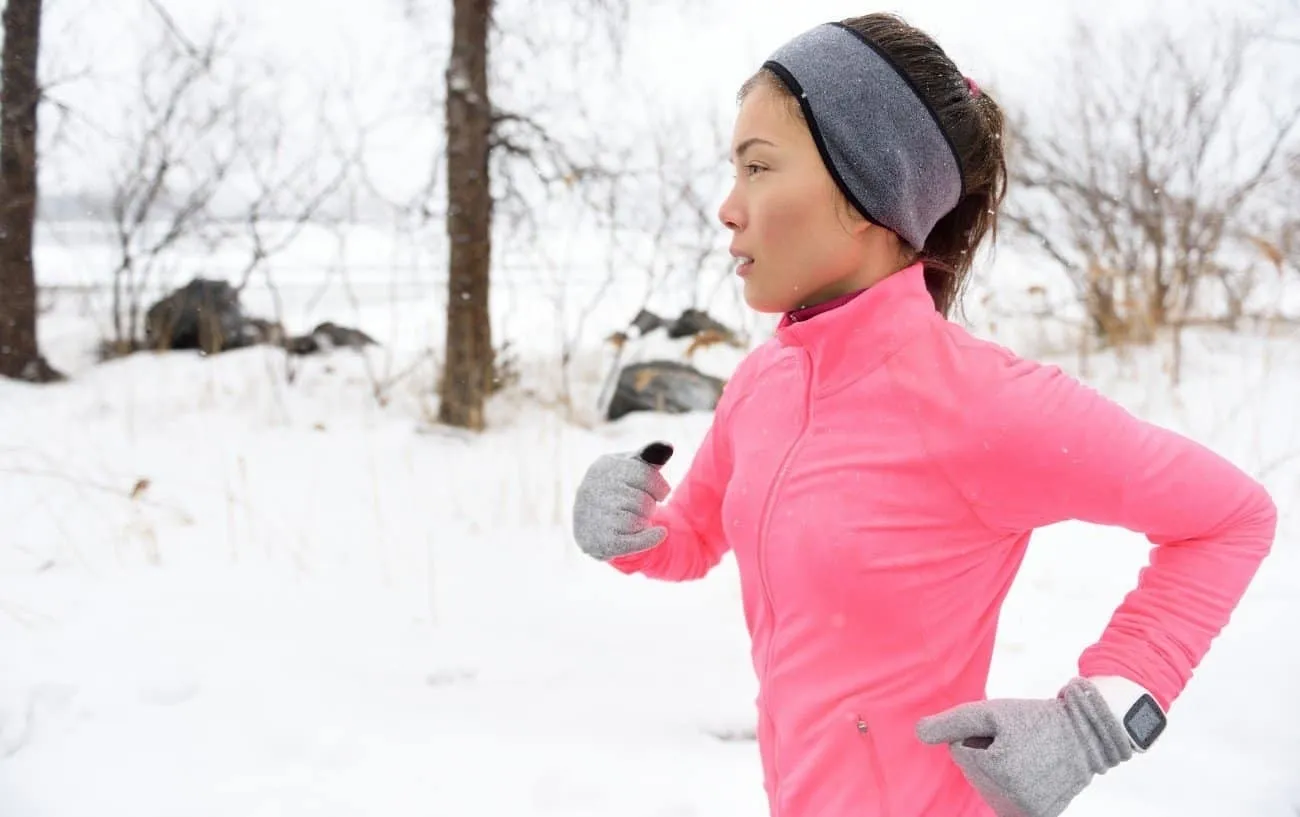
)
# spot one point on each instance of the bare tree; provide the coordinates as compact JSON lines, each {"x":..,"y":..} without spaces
{"x":467,"y":368}
{"x":1289,"y":245}
{"x":20,"y":355}
{"x":176,"y":159}
{"x":483,"y":141}
{"x":207,"y":163}
{"x":1146,"y":188}
{"x":658,"y":232}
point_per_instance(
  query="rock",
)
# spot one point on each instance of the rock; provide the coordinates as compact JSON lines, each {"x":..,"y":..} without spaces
{"x":206,"y":315}
{"x":334,"y":335}
{"x":203,"y":315}
{"x":647,"y":321}
{"x":663,"y":386}
{"x":688,"y":324}
{"x":327,"y":336}
{"x":692,"y":322}
{"x":264,"y":331}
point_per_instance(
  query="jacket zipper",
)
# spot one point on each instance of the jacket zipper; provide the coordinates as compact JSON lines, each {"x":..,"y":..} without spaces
{"x":873,"y":758}
{"x":762,"y":567}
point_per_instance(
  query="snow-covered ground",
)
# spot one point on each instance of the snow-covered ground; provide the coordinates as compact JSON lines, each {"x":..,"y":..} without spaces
{"x":320,"y":606}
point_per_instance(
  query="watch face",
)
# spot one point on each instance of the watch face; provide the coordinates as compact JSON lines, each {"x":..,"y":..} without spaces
{"x":1144,"y":722}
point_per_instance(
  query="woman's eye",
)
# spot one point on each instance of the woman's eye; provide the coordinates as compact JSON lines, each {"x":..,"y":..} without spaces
{"x":751,"y":169}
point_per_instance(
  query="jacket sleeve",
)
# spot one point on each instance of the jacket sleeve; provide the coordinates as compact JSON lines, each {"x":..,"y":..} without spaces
{"x":1051,"y":449}
{"x":692,"y":514}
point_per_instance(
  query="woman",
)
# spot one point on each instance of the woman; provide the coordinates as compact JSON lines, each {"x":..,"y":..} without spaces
{"x":877,"y":471}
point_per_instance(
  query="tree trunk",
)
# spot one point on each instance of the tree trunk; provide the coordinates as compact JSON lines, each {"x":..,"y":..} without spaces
{"x":467,"y":372}
{"x":19,"y":356}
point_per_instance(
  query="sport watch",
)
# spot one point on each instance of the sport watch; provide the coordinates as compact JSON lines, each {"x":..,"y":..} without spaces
{"x":1135,"y":708}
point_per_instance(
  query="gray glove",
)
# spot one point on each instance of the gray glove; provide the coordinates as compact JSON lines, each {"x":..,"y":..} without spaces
{"x":612,"y":508}
{"x":1030,"y":758}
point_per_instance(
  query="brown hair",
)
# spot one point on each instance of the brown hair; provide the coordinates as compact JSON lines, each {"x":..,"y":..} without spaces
{"x":973,"y":122}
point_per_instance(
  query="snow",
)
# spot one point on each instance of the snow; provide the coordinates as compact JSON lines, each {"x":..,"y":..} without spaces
{"x":248,"y":586}
{"x":318,"y":605}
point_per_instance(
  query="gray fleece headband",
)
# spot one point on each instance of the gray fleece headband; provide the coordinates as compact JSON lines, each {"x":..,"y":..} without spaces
{"x":880,"y":141}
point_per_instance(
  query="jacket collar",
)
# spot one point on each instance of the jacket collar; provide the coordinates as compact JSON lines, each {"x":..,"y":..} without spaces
{"x":856,"y":333}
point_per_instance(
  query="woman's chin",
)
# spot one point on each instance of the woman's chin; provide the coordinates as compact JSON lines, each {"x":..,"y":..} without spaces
{"x":764,"y":302}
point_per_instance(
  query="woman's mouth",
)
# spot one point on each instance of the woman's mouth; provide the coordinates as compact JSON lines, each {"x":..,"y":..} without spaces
{"x":744,"y":265}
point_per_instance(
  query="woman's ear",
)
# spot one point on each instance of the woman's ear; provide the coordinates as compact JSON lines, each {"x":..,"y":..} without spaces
{"x":883,"y":240}
{"x":850,"y":219}
{"x":862,"y":227}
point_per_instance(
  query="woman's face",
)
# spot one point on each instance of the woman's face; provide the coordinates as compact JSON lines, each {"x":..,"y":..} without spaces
{"x":785,"y":212}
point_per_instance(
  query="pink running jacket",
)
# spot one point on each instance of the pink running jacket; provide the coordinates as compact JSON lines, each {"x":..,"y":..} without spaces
{"x":877,"y":473}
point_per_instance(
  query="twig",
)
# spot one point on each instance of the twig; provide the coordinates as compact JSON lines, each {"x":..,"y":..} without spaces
{"x":170,"y":22}
{"x":132,"y":495}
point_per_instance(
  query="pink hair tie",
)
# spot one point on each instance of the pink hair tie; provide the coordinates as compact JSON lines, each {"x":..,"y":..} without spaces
{"x":971,"y":86}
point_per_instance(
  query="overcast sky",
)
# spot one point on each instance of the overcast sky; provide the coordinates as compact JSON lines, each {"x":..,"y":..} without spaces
{"x":682,"y":53}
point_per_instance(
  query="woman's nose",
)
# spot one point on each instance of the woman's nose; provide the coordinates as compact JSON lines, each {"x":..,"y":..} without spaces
{"x":730,"y":213}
